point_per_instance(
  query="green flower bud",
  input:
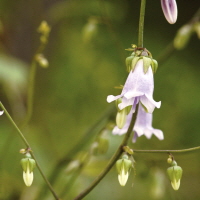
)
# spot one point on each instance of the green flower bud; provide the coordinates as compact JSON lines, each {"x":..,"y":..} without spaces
{"x":42,"y":61}
{"x":103,"y":144}
{"x":124,"y":166}
{"x":121,"y":118}
{"x":182,"y":37}
{"x":118,"y":101}
{"x":28,"y":164}
{"x":175,"y":173}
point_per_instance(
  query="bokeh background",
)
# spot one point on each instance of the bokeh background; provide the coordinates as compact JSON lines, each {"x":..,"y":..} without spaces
{"x":86,"y":54}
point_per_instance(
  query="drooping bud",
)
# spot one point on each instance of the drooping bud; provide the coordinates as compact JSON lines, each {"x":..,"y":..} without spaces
{"x":42,"y":61}
{"x":121,"y":118}
{"x":183,"y":36}
{"x":124,"y":166}
{"x":170,"y":11}
{"x":175,"y":173}
{"x":28,"y":164}
{"x":1,"y":113}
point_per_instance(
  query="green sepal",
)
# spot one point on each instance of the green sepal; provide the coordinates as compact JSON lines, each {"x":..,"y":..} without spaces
{"x":146,"y":63}
{"x":129,"y":62}
{"x":24,"y":163}
{"x":134,"y":62}
{"x":128,"y":109}
{"x":32,"y":164}
{"x":119,"y":165}
{"x":154,"y":65}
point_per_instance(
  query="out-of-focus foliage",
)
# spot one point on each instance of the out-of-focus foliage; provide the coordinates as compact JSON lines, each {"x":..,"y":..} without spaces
{"x":86,"y":61}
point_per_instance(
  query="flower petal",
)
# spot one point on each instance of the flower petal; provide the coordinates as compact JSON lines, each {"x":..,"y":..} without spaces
{"x":1,"y":113}
{"x":111,"y":98}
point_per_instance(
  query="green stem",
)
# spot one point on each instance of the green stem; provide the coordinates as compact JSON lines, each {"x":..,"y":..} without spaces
{"x":29,"y":147}
{"x":167,"y":151}
{"x":30,"y":92}
{"x":141,"y":23}
{"x":112,"y":160}
{"x":84,"y":140}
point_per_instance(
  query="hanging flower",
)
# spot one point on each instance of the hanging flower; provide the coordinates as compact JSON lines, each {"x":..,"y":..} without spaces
{"x":169,"y":8}
{"x":143,"y":126}
{"x":139,"y":87}
{"x":28,"y":164}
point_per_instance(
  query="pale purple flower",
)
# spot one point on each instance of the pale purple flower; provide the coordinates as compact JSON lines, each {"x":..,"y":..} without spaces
{"x":143,"y":126}
{"x":139,"y":87}
{"x":170,"y":11}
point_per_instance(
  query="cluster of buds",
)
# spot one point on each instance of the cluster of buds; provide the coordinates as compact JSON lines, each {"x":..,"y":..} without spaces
{"x":174,"y":173}
{"x":140,"y":53}
{"x":124,"y":166}
{"x":28,"y":164}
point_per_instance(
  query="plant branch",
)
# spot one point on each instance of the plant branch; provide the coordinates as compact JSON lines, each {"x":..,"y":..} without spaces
{"x":167,"y":151}
{"x":112,"y":160}
{"x":29,"y":147}
{"x":141,"y":23}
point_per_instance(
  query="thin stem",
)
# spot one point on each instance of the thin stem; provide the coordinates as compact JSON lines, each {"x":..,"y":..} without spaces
{"x":85,"y":139}
{"x":112,"y":160}
{"x":141,"y":23}
{"x":32,"y":154}
{"x":30,"y":92}
{"x":167,"y":151}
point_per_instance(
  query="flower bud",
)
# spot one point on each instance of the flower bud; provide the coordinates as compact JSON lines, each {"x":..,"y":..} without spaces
{"x":175,"y":173}
{"x":121,"y":118}
{"x":124,"y":166}
{"x":1,"y":113}
{"x":28,"y":164}
{"x":42,"y":61}
{"x":183,"y":35}
{"x":169,"y":8}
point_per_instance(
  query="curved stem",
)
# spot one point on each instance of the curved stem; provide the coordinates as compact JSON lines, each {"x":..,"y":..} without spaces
{"x":112,"y":160}
{"x":167,"y":151}
{"x":32,"y":154}
{"x":141,"y":23}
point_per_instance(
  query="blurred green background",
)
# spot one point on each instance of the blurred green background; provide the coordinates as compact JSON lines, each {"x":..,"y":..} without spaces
{"x":86,"y":52}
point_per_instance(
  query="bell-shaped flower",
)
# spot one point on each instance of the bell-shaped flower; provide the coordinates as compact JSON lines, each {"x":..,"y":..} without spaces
{"x":170,"y":10}
{"x":143,"y":126}
{"x":139,"y":87}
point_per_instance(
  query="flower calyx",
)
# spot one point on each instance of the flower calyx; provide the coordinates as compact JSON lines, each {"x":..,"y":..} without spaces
{"x":140,"y":53}
{"x":124,"y":166}
{"x":174,"y":173}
